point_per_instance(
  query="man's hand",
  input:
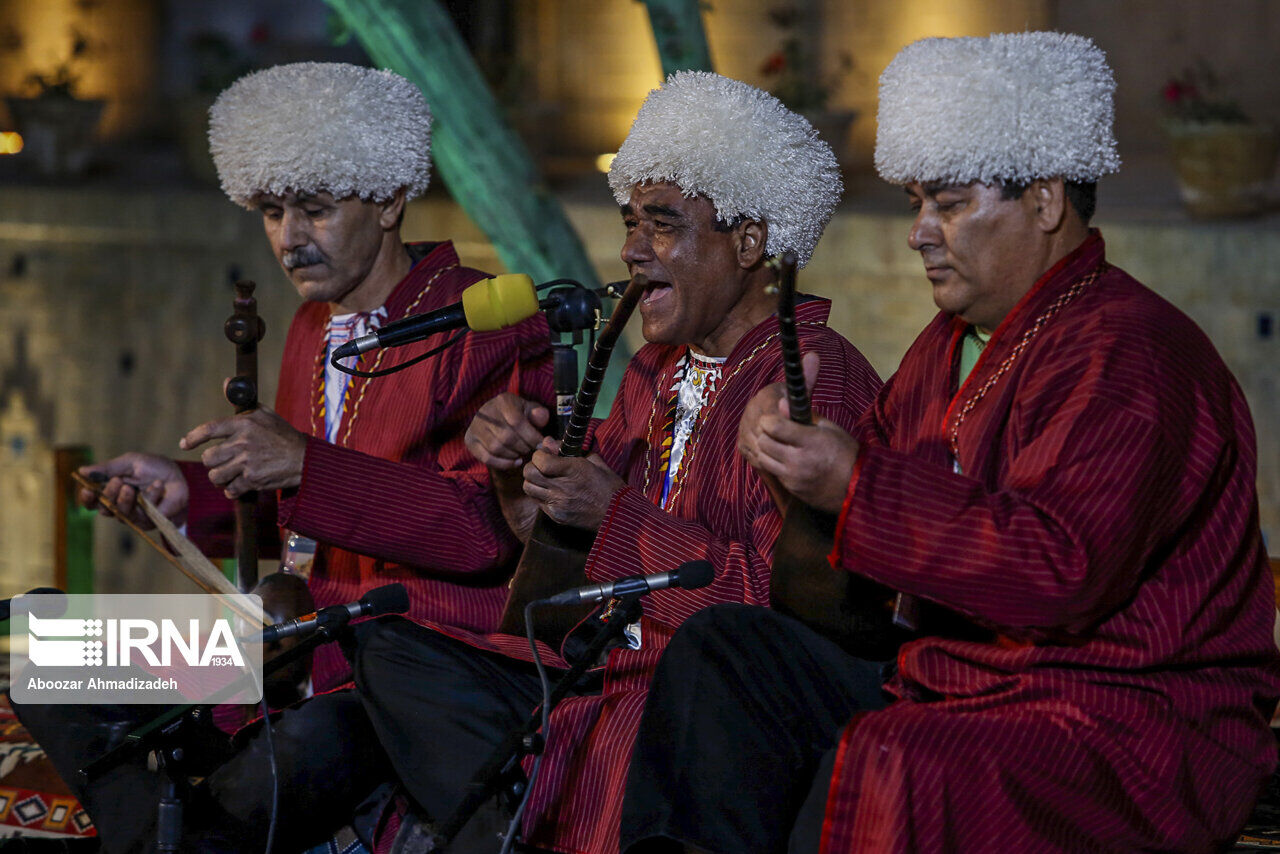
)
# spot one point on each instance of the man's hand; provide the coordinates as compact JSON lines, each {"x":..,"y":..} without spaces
{"x":158,"y":478}
{"x":506,"y":431}
{"x":503,"y":436}
{"x":259,"y":450}
{"x":571,"y":490}
{"x":812,"y":462}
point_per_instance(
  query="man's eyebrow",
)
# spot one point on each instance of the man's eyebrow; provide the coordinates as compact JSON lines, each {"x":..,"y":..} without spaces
{"x":663,"y":210}
{"x":937,"y":187}
{"x":625,"y":210}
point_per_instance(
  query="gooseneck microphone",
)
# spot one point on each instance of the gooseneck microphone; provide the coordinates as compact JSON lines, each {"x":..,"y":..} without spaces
{"x":694,"y":573}
{"x":388,"y":599}
{"x":487,"y":305}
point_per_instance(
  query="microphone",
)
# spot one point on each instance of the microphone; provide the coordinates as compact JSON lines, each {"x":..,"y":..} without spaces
{"x":6,"y":605}
{"x":388,"y":599}
{"x":694,"y":573}
{"x":487,"y":305}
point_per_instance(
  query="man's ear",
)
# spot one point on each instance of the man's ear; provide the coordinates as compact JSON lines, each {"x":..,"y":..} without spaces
{"x":1048,"y":196}
{"x":753,"y":234}
{"x":392,"y":211}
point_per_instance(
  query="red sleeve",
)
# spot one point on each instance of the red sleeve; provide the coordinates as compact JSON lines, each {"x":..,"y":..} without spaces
{"x":1086,"y":493}
{"x":441,"y":516}
{"x":211,"y":521}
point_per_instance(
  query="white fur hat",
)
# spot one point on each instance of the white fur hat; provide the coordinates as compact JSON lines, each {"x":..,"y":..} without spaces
{"x":1011,"y":106}
{"x":739,"y":147}
{"x":321,"y":126}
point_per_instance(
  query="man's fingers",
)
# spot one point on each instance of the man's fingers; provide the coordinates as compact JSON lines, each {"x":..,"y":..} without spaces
{"x":209,"y":430}
{"x":217,"y":455}
{"x":539,"y":415}
{"x":536,"y":485}
{"x":768,"y":448}
{"x":782,"y":429}
{"x":223,"y":475}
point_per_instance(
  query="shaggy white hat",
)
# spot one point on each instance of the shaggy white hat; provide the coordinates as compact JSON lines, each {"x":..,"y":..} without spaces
{"x":739,"y":147}
{"x":1012,"y":106}
{"x":321,"y":126}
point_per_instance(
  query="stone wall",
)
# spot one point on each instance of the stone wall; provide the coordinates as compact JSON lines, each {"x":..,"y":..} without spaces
{"x":112,"y":304}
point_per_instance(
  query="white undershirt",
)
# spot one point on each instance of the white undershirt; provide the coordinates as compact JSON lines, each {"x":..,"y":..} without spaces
{"x":343,"y":328}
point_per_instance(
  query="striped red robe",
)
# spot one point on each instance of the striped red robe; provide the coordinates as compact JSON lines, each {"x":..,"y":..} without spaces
{"x":1105,"y":531}
{"x":401,"y":483}
{"x":720,"y":511}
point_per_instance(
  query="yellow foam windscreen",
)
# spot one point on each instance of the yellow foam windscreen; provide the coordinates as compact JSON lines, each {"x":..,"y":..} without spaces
{"x":499,"y":302}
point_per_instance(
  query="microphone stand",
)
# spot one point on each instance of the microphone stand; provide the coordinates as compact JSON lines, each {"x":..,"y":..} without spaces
{"x":502,"y":772}
{"x":576,"y":309}
{"x":163,"y":734}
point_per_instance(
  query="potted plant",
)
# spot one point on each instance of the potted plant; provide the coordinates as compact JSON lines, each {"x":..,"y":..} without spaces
{"x":793,"y":77}
{"x":1224,"y":160}
{"x":56,"y":126}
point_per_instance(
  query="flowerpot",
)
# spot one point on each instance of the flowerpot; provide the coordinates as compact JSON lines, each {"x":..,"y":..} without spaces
{"x":1223,"y":169}
{"x":57,"y":132}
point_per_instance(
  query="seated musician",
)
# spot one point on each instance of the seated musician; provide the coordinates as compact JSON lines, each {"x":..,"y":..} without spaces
{"x":329,"y":154}
{"x":1063,"y":461}
{"x":713,"y":179}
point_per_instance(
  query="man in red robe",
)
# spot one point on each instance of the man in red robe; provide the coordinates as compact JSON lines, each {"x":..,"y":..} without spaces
{"x":1062,"y":461}
{"x":714,"y":177}
{"x":329,"y":154}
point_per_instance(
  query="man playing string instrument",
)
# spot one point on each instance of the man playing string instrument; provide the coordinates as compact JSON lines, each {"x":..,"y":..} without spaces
{"x":329,"y":154}
{"x":1064,"y":462}
{"x":714,"y":178}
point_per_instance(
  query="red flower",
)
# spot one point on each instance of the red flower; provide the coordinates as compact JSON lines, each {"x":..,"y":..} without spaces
{"x":1176,"y":91}
{"x":774,"y":64}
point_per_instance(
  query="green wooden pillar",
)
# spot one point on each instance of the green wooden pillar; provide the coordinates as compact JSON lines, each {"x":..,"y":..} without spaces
{"x":678,"y":31}
{"x":486,"y":166}
{"x":73,"y":525}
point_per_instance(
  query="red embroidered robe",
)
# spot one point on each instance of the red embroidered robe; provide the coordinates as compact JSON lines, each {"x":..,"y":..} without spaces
{"x":720,"y":510}
{"x":1105,"y":530}
{"x":399,"y":483}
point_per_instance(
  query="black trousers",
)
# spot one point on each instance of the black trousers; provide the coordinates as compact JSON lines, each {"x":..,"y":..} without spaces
{"x":327,"y":755}
{"x":744,"y":709}
{"x":440,"y":706}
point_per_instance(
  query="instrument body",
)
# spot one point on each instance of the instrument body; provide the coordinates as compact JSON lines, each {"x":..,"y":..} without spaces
{"x":853,"y":611}
{"x":555,"y":557}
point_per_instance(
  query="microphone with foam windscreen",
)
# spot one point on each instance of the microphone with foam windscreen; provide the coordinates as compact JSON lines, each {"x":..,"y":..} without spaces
{"x":45,"y":607}
{"x":487,"y":305}
{"x":694,"y":573}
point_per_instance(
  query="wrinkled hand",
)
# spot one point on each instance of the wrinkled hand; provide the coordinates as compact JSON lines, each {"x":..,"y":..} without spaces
{"x":503,"y":436}
{"x":506,"y":431}
{"x":259,"y":450}
{"x":812,"y":462}
{"x":571,"y":490}
{"x":158,"y":478}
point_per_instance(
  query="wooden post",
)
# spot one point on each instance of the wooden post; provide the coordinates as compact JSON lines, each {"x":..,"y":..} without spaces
{"x":678,"y":31}
{"x":487,"y":167}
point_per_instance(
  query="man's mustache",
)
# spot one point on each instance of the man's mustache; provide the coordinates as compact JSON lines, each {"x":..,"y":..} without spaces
{"x":303,"y":257}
